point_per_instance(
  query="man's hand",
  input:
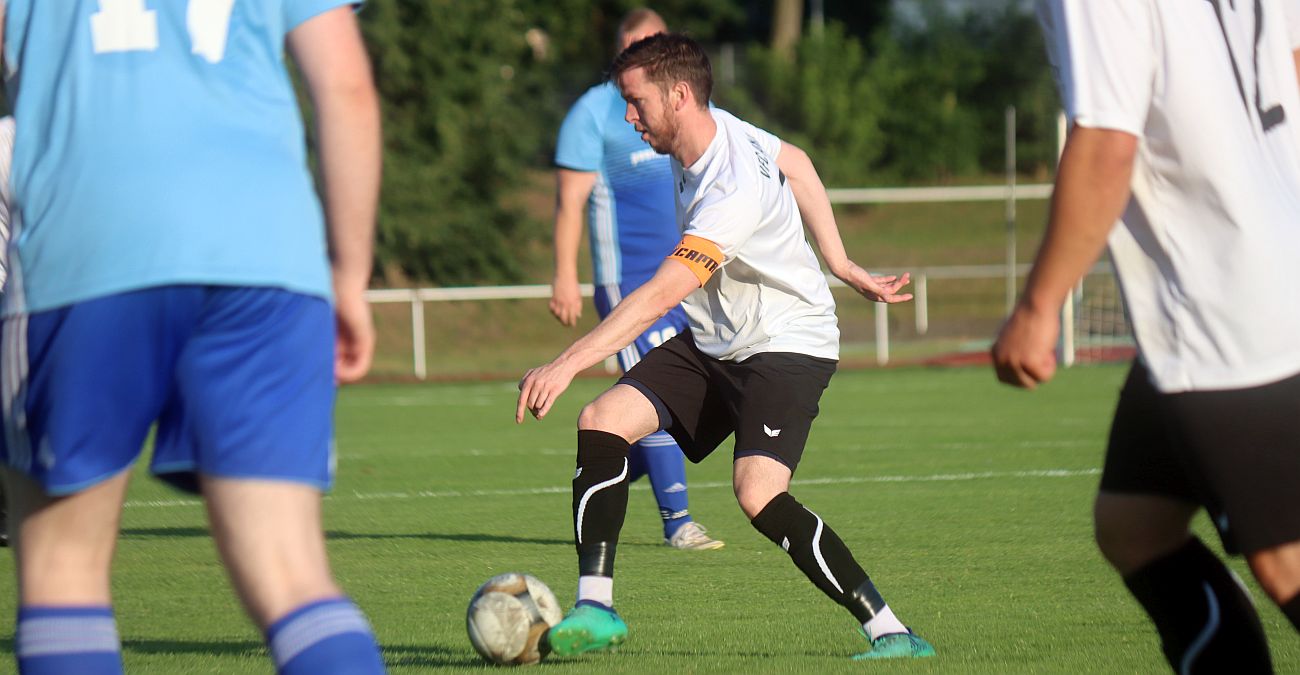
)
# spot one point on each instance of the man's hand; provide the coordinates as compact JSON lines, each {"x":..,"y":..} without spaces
{"x":877,"y":288}
{"x":354,"y":345}
{"x":566,"y":301}
{"x":1025,"y":352}
{"x":540,"y":388}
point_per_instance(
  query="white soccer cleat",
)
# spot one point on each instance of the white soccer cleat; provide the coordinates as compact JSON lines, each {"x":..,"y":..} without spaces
{"x":692,"y":537}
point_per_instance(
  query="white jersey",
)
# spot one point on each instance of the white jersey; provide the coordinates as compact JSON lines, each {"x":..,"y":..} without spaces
{"x":1208,"y":251}
{"x":769,"y":294}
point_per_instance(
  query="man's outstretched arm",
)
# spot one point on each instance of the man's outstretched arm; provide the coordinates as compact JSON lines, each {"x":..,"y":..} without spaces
{"x":541,"y":386}
{"x":1092,"y":189}
{"x":818,"y":216}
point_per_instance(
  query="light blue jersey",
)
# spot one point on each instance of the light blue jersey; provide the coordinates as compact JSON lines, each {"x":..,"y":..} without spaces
{"x":632,"y":219}
{"x":114,"y":188}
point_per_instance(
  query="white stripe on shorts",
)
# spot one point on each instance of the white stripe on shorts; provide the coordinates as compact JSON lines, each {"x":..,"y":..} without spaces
{"x":13,"y":391}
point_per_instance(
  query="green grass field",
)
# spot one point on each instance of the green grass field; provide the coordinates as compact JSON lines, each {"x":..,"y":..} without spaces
{"x":967,"y":502}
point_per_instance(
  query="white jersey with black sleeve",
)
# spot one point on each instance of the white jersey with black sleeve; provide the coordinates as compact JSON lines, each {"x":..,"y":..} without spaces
{"x":1208,"y":250}
{"x":769,"y":293}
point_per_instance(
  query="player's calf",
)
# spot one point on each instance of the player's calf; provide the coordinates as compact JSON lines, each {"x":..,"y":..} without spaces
{"x":1206,"y":620}
{"x":599,"y":506}
{"x":827,"y":562}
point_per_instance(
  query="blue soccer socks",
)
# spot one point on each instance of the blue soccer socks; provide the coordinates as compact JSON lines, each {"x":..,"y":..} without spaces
{"x":50,"y":640}
{"x":326,"y":636}
{"x":663,"y":463}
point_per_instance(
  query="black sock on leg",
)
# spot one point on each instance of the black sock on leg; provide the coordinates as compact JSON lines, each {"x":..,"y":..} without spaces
{"x":1292,"y":611}
{"x":1206,"y":621}
{"x":599,"y":500}
{"x":820,"y":554}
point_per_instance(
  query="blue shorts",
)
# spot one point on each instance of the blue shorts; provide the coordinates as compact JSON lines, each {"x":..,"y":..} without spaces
{"x":661,"y":331}
{"x":240,"y":381}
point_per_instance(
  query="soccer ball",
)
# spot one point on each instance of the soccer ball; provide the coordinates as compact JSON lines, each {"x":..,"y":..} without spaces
{"x":508,"y":617}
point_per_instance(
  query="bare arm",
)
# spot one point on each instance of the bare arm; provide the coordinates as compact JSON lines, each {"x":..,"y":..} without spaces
{"x":1295,"y":57}
{"x":1092,"y":189}
{"x":329,"y":51}
{"x":572,"y":189}
{"x":819,"y":218}
{"x":541,"y":386}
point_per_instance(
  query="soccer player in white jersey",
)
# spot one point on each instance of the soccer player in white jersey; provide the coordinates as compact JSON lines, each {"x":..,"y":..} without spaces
{"x":173,"y":264}
{"x":762,"y":345}
{"x":603,"y":163}
{"x":1185,"y":119}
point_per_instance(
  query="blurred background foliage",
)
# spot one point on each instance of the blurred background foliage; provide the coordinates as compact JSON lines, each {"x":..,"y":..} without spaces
{"x":878,"y":93}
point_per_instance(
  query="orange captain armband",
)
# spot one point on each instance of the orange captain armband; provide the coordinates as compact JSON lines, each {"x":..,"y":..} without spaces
{"x":700,"y":255}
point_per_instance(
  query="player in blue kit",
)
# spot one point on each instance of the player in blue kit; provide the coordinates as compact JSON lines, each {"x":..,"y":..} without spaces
{"x":628,"y":188}
{"x":171,"y":265}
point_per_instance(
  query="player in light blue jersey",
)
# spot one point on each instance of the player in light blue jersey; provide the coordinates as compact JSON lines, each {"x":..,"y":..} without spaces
{"x":628,"y":187}
{"x":171,"y":266}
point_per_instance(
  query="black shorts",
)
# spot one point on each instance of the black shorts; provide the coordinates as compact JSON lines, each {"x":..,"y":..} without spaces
{"x":1236,"y":452}
{"x":769,"y":400}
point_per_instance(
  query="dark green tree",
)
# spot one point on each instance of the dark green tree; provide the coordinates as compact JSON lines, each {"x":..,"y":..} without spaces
{"x":459,"y":85}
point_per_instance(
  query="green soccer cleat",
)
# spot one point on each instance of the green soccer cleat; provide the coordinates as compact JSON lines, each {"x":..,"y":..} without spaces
{"x":897,"y":646}
{"x":588,"y":627}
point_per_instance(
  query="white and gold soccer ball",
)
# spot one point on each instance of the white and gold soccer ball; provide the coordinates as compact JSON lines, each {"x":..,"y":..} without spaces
{"x":508,"y":618}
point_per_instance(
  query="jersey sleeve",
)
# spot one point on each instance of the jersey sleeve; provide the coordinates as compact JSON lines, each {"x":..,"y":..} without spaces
{"x":580,"y":146}
{"x":1103,"y":53}
{"x":726,"y":218}
{"x":298,"y":11}
{"x":766,"y":140}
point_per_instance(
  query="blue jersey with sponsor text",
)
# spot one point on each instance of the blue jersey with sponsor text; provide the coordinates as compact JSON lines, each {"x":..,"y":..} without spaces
{"x":632,"y":221}
{"x":158,"y":142}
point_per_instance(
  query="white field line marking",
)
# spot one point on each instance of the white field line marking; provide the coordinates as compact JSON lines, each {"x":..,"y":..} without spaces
{"x":351,"y":454}
{"x":565,"y":489}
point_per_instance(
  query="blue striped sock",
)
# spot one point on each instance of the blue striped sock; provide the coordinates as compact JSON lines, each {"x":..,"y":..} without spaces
{"x":326,"y":636}
{"x":50,"y":640}
{"x":667,"y":471}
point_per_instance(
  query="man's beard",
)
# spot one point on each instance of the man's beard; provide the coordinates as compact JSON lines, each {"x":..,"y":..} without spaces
{"x":663,"y":140}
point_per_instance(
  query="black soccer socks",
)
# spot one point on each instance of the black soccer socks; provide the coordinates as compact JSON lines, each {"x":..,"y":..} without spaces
{"x":1206,"y":621}
{"x":1292,"y":611}
{"x":820,"y":554}
{"x":599,"y":500}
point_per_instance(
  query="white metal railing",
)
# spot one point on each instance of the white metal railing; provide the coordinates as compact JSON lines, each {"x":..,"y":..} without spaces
{"x":969,"y":193}
{"x":418,"y":296}
{"x":1010,"y":193}
{"x":920,"y":290}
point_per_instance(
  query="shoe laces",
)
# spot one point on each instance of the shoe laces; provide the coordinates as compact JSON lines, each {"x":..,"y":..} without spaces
{"x":691,"y":533}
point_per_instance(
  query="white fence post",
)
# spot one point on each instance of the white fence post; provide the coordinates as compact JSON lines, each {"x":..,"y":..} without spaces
{"x":921,"y":300}
{"x":1011,"y":208}
{"x":417,"y":335}
{"x":882,"y":333}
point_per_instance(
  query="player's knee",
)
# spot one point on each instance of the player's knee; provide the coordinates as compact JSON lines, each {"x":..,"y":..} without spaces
{"x":1115,"y":538}
{"x":1129,"y":541}
{"x":753,"y":498}
{"x":594,"y":416}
